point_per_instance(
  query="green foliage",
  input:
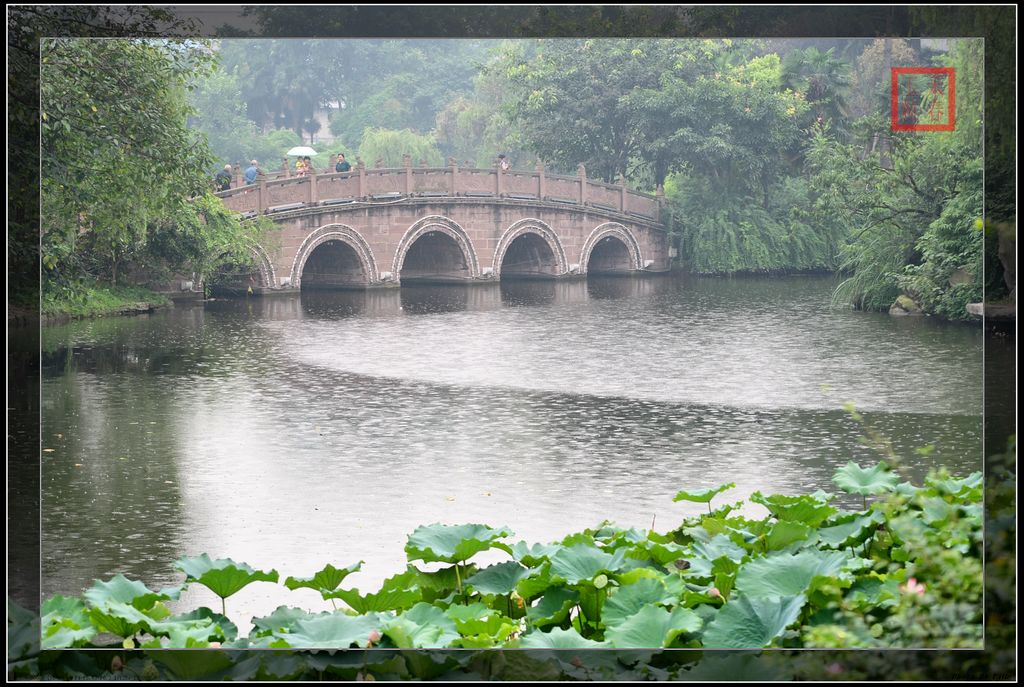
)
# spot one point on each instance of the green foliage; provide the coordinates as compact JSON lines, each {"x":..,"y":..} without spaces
{"x":905,"y":572}
{"x":389,"y":146}
{"x":93,"y":300}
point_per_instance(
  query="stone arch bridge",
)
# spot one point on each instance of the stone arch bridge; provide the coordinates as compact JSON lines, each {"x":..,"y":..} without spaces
{"x":385,"y":227}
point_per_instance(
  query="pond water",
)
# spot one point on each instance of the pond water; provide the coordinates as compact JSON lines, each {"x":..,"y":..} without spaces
{"x":292,"y":432}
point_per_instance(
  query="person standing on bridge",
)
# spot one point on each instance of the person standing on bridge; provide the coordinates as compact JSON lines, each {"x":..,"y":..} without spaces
{"x":252,"y":172}
{"x":223,"y":178}
{"x":343,"y":165}
{"x":503,"y":163}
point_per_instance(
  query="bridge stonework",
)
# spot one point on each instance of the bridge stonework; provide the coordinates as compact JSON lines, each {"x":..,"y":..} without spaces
{"x":376,"y":228}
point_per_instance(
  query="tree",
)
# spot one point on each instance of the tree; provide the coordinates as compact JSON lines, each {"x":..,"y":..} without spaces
{"x":389,"y":146}
{"x":822,"y":80}
{"x":120,"y":168}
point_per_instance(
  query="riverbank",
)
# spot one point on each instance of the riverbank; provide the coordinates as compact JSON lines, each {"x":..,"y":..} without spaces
{"x":100,"y":301}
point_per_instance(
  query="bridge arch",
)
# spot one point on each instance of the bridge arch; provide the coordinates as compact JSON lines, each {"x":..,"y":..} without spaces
{"x":531,"y":227}
{"x":630,"y":256}
{"x":441,"y":225}
{"x":343,"y":234}
{"x":265,"y":265}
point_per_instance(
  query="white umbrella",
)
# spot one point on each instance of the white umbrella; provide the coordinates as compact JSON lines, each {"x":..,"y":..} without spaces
{"x":302,"y":150}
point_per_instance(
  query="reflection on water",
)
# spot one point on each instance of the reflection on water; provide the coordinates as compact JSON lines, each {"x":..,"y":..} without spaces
{"x":292,"y":432}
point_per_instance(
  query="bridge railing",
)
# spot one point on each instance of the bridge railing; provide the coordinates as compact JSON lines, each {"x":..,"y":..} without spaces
{"x":279,"y":190}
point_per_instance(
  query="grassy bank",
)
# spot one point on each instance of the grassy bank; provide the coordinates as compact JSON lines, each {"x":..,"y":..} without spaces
{"x":100,"y":300}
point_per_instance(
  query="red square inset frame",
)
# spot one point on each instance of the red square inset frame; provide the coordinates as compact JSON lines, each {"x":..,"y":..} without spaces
{"x":905,"y":111}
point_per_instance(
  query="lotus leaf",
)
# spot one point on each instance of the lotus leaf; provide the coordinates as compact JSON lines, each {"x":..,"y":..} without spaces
{"x":121,"y":619}
{"x":854,"y":479}
{"x":384,"y":600}
{"x":786,"y":575}
{"x":718,"y":546}
{"x":422,"y":626}
{"x":536,"y":583}
{"x":184,"y":635}
{"x":198,"y":665}
{"x":228,"y":630}
{"x":498,"y":579}
{"x":223,"y":576}
{"x":558,"y":638}
{"x":849,"y":530}
{"x":582,"y":562}
{"x":968,"y":486}
{"x":745,"y":623}
{"x":652,"y":627}
{"x":808,"y":510}
{"x":703,"y":495}
{"x":629,"y":599}
{"x":532,"y":556}
{"x":786,"y":535}
{"x":451,"y":543}
{"x":121,"y":589}
{"x":333,"y":631}
{"x":283,"y":618}
{"x":65,"y":623}
{"x":553,"y":607}
{"x":329,"y":578}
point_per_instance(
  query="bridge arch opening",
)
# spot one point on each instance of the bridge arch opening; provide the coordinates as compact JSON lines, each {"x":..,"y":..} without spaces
{"x":435,"y":257}
{"x":610,"y":255}
{"x":529,"y":256}
{"x":333,"y":265}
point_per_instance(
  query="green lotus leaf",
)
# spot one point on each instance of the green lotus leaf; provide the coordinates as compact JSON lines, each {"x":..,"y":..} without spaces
{"x":652,"y":627}
{"x":121,"y":589}
{"x":195,"y":634}
{"x":383,"y":600}
{"x":969,"y":486}
{"x":582,"y":562}
{"x":717,"y":547}
{"x":873,"y":592}
{"x":223,"y":576}
{"x":536,"y":582}
{"x":451,"y":543}
{"x":535,"y":555}
{"x":332,"y":631}
{"x":282,"y":619}
{"x":854,"y":479}
{"x":121,"y":619}
{"x":422,"y":626}
{"x":329,"y":578}
{"x":637,"y":574}
{"x":558,"y":638}
{"x":703,"y":495}
{"x":498,"y":579}
{"x":553,"y":607}
{"x":65,"y":623}
{"x":661,"y":553}
{"x":849,"y":530}
{"x":805,"y":509}
{"x":785,"y":535}
{"x":196,"y":665}
{"x":628,"y":600}
{"x":228,"y":630}
{"x":745,"y":623}
{"x":906,"y":489}
{"x":785,"y":575}
{"x":477,"y":620}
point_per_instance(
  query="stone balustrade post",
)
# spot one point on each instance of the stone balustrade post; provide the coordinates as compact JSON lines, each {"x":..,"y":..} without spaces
{"x":287,"y":170}
{"x":499,"y":181}
{"x":238,"y":174}
{"x":407,"y":163}
{"x":312,"y":196}
{"x":361,"y":169}
{"x":541,"y":181}
{"x":622,"y":194}
{"x":453,"y":185}
{"x":261,"y":194}
{"x":582,"y":172}
{"x":331,"y":161}
{"x":659,"y":196}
